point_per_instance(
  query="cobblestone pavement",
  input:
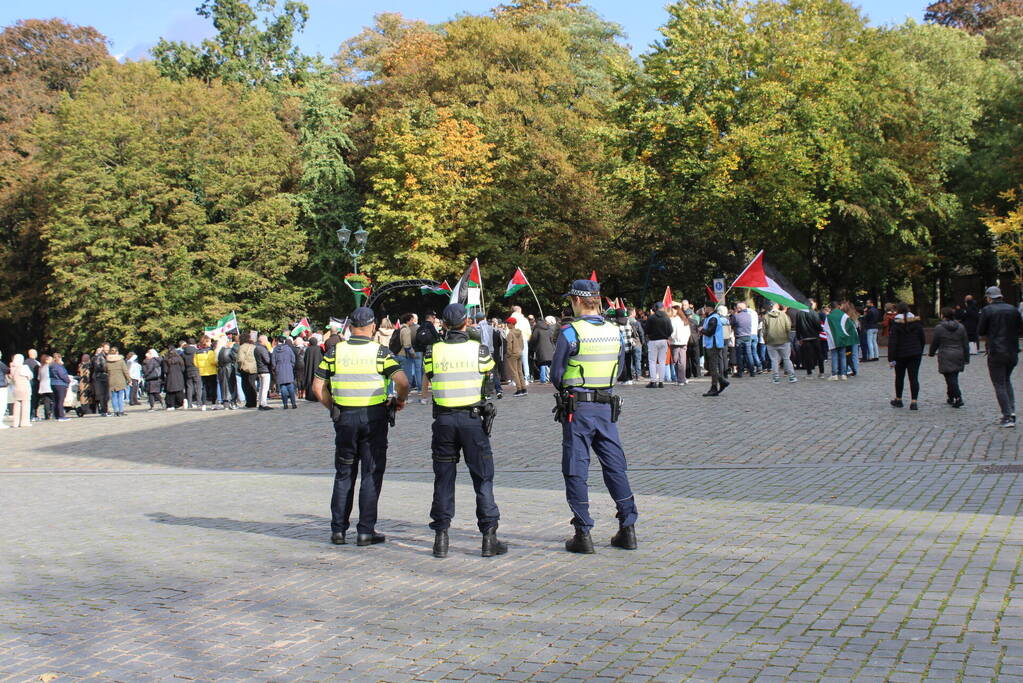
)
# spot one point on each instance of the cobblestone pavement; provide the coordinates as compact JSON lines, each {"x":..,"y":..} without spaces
{"x":787,"y":532}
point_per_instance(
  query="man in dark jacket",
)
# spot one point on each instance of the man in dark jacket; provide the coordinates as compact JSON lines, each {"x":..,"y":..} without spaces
{"x":101,"y":379}
{"x":871,"y":322}
{"x":263,"y":364}
{"x":969,"y":316}
{"x":808,"y":329}
{"x":658,"y":332}
{"x":1002,"y":324}
{"x":283,"y":362}
{"x":193,"y":381}
{"x":541,"y":344}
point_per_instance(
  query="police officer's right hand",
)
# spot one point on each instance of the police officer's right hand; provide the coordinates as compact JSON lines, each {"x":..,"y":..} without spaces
{"x":399,"y":404}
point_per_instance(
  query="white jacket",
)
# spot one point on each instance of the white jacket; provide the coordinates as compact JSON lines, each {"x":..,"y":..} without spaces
{"x":679,"y":332}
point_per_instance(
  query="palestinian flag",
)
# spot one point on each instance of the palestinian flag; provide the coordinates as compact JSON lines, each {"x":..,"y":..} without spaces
{"x":229,"y":323}
{"x":769,"y":283}
{"x":710,"y":294}
{"x":517,"y":282}
{"x":443,"y":289}
{"x":470,"y":280}
{"x":302,"y":327}
{"x":667,"y":300}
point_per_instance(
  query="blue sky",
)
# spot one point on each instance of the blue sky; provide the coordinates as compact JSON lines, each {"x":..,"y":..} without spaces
{"x":133,"y":26}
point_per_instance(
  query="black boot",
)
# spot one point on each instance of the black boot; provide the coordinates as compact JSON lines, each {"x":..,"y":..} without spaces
{"x":440,"y":544}
{"x":370,"y":539}
{"x":724,"y":385}
{"x":492,"y":546}
{"x":338,"y":538}
{"x":625,"y":538}
{"x":580,"y":543}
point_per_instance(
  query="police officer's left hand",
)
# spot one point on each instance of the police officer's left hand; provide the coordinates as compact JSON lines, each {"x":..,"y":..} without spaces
{"x":399,"y":404}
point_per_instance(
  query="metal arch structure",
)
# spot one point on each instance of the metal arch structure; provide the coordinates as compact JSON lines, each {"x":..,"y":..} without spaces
{"x":384,"y":290}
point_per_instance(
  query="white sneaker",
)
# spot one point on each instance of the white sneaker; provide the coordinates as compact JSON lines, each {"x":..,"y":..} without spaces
{"x":833,"y":378}
{"x":843,"y":377}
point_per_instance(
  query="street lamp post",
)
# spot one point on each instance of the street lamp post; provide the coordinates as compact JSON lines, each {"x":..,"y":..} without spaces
{"x":344,"y":236}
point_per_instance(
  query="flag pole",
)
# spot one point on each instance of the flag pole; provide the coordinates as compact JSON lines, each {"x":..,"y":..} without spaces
{"x":483,"y":307}
{"x":535,"y":298}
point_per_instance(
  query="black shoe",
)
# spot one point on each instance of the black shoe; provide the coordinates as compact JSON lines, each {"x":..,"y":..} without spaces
{"x":912,"y":405}
{"x":660,"y":385}
{"x":580,"y":543}
{"x":284,"y":407}
{"x":711,"y":393}
{"x":724,"y":385}
{"x":1008,"y":422}
{"x":370,"y":539}
{"x":958,"y":403}
{"x":896,"y":402}
{"x":652,"y":385}
{"x":625,"y":538}
{"x":440,"y":544}
{"x":500,"y":395}
{"x":338,"y":538}
{"x":492,"y":546}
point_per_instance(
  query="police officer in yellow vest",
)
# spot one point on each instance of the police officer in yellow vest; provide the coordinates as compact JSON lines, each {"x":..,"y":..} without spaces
{"x":358,"y":371}
{"x":457,"y":368}
{"x":587,"y":356}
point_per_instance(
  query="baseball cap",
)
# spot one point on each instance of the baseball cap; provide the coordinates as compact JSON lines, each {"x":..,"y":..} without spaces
{"x":454,"y":314}
{"x":363,"y":316}
{"x":993,"y":292}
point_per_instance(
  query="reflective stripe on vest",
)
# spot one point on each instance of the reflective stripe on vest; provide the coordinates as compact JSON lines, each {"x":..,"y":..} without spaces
{"x":595,"y":366}
{"x":457,"y":380}
{"x":357,"y":381}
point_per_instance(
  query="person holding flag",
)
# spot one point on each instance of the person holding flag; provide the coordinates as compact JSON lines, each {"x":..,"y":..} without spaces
{"x":587,"y":356}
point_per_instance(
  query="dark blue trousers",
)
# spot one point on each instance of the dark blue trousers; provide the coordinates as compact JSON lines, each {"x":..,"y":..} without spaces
{"x":360,"y":437}
{"x":454,"y":434}
{"x":591,"y":427}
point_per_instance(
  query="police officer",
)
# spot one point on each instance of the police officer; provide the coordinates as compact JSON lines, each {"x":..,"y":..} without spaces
{"x":358,"y":371}
{"x":458,"y":367}
{"x":587,"y":356}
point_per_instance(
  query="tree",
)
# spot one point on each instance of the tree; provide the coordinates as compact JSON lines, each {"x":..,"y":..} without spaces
{"x":169,"y":208}
{"x":40,"y":62}
{"x":1007,"y":232}
{"x":241,"y":52}
{"x":970,"y":15}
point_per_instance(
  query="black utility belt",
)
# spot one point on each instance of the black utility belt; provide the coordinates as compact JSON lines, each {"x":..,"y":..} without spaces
{"x":474,"y":411}
{"x":369,"y":407}
{"x":593,"y":396}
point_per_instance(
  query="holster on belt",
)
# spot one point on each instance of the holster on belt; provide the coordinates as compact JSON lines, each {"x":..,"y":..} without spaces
{"x":489,"y":412}
{"x":616,"y":407}
{"x":335,"y":412}
{"x":392,"y":411}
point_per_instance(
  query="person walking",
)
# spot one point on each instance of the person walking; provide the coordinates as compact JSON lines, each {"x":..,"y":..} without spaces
{"x":679,"y":341}
{"x":152,"y":377}
{"x":1000,"y":323}
{"x":952,"y":346}
{"x":21,"y":394}
{"x":905,"y":349}
{"x":969,"y":316}
{"x":352,"y":382}
{"x":174,"y":378}
{"x":779,"y":349}
{"x":587,"y":356}
{"x":59,"y":383}
{"x":515,"y":345}
{"x":261,"y":355}
{"x":658,"y":334}
{"x":716,"y":348}
{"x":457,"y":367}
{"x":119,"y":380}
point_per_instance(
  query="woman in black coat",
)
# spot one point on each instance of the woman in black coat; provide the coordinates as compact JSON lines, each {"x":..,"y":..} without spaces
{"x":174,"y":377}
{"x":952,"y":345}
{"x":152,"y":373}
{"x":905,"y":350}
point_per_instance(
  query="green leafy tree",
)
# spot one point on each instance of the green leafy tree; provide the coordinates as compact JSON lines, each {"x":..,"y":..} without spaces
{"x":242,"y":51}
{"x":170,"y":207}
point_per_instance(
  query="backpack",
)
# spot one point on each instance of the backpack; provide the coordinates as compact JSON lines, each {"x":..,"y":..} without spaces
{"x":426,"y":336}
{"x":247,"y":359}
{"x":394,"y":344}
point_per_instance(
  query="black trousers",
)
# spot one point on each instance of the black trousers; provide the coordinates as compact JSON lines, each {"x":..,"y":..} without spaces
{"x":193,"y":387}
{"x":154,"y":398}
{"x":360,"y":438}
{"x":133,"y":399}
{"x":59,"y":394}
{"x":907,"y":366}
{"x":999,"y":368}
{"x":101,"y":391}
{"x":716,"y":359}
{"x":952,"y":385}
{"x":249,"y":388}
{"x":810,"y":355}
{"x":454,"y":434}
{"x":209,"y":390}
{"x":175,"y":399}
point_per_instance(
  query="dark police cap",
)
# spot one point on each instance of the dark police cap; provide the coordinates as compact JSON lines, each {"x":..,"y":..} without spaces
{"x":363,"y":316}
{"x":585,"y":288}
{"x":454,"y":314}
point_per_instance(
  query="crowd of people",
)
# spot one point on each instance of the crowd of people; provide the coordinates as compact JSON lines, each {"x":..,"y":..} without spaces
{"x":664,"y":345}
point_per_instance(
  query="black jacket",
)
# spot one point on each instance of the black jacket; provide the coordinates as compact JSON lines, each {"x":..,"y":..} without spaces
{"x":99,"y":367}
{"x":871,"y":318}
{"x":970,"y":318}
{"x":541,"y":343}
{"x":262,"y":359}
{"x":808,"y":325}
{"x":658,"y":326}
{"x":1002,"y":324}
{"x":906,"y":338}
{"x":951,"y":345}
